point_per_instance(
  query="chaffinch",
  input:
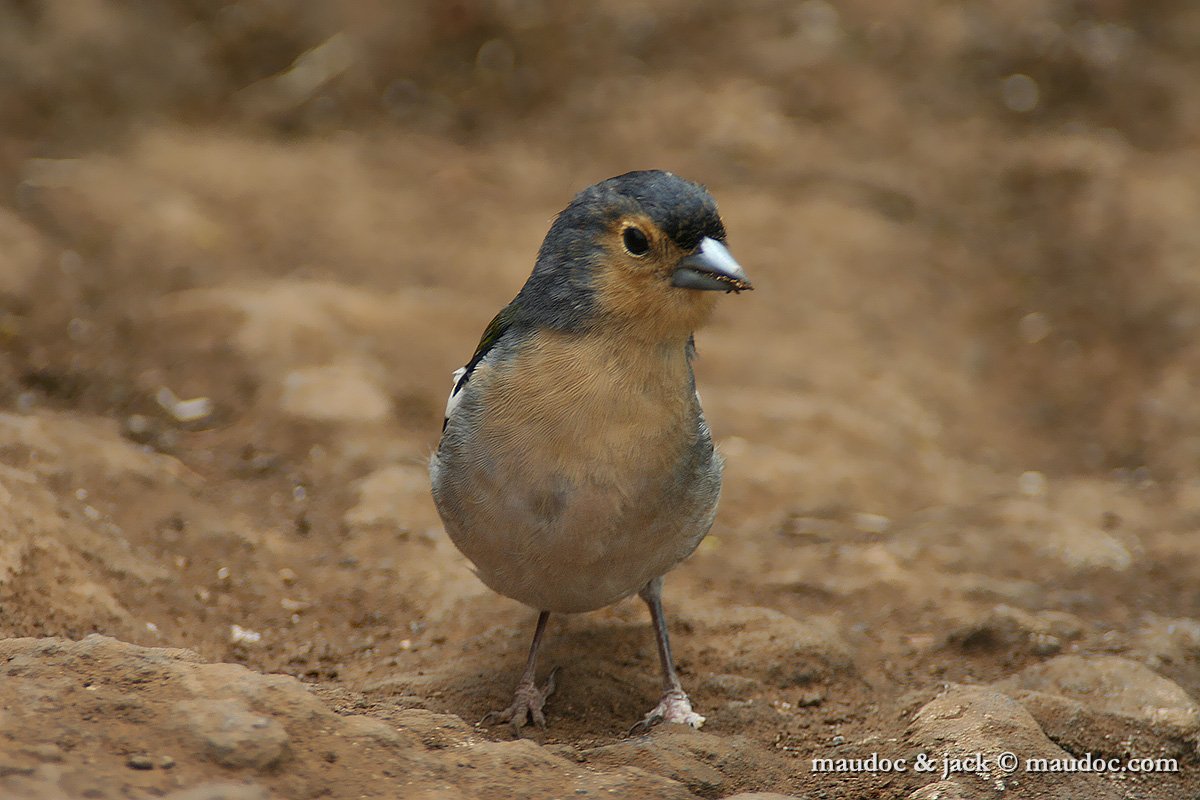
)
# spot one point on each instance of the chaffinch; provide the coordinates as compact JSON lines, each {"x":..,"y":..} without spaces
{"x":575,"y":466}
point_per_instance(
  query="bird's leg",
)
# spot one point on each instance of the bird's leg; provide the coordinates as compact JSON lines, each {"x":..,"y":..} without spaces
{"x":674,"y":705}
{"x":528,"y":699}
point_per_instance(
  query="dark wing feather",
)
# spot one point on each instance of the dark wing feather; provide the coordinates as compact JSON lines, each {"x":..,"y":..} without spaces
{"x":496,"y":329}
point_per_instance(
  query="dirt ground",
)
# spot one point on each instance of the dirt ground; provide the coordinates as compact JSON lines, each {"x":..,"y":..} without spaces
{"x":243,"y":245}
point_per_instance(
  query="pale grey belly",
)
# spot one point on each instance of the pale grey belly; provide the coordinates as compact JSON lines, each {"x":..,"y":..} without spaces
{"x":567,"y":546}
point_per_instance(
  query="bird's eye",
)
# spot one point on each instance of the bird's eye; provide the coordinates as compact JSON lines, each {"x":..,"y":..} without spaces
{"x":636,"y":242}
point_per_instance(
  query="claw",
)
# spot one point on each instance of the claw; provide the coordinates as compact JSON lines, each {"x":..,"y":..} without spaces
{"x":673,"y":707}
{"x":527,"y":704}
{"x":645,"y":724}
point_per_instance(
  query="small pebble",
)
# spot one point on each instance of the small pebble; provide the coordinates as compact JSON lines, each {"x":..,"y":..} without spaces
{"x":1032,"y":483}
{"x":1019,"y":93}
{"x":139,"y":428}
{"x":1034,"y":327}
{"x":166,"y":762}
{"x":140,"y":762}
{"x":1043,"y":644}
{"x":196,"y":409}
{"x":872,"y":523}
{"x":78,"y":329}
{"x":240,"y":635}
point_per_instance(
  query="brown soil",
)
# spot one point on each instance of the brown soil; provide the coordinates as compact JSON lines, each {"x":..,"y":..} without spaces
{"x":958,"y":413}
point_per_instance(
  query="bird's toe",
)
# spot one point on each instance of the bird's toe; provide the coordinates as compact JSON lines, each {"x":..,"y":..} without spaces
{"x":528,"y":702}
{"x":674,"y":707}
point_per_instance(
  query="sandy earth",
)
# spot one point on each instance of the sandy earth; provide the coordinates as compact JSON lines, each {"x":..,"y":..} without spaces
{"x":243,"y":247}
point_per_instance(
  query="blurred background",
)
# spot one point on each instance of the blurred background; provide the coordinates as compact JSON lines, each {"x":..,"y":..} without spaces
{"x":244,"y":244}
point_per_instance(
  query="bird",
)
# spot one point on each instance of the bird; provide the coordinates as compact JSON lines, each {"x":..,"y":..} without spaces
{"x":575,"y":466}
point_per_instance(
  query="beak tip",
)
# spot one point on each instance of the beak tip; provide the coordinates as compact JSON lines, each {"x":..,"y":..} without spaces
{"x":713,"y":268}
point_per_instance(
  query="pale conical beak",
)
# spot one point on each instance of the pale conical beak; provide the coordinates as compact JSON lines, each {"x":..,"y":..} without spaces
{"x":711,"y":268}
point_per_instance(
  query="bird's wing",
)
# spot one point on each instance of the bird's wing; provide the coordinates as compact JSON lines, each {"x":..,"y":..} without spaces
{"x":491,"y":335}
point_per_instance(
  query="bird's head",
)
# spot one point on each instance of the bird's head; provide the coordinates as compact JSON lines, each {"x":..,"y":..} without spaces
{"x":644,"y":251}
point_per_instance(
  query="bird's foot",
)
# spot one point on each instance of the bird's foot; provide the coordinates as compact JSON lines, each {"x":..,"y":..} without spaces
{"x":674,"y":707}
{"x":526,"y":706}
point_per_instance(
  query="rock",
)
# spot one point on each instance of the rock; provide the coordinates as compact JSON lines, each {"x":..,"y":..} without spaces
{"x":1066,"y":538}
{"x":233,"y":736}
{"x":69,"y":445}
{"x":379,"y":732}
{"x":964,"y":720}
{"x":342,"y":392}
{"x":1107,"y":705}
{"x":1004,"y":629}
{"x":23,"y":254}
{"x":49,"y":753}
{"x":220,"y":791}
{"x":1164,"y":643}
{"x":433,"y":730}
{"x":282,"y":324}
{"x":661,"y":758}
{"x":522,"y":758}
{"x":61,"y":557}
{"x":50,"y":551}
{"x":704,"y":762}
{"x":762,"y":796}
{"x":108,"y":699}
{"x":771,"y":647}
{"x":320,"y":347}
{"x":944,"y":790}
{"x":970,"y":722}
{"x":390,"y":497}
